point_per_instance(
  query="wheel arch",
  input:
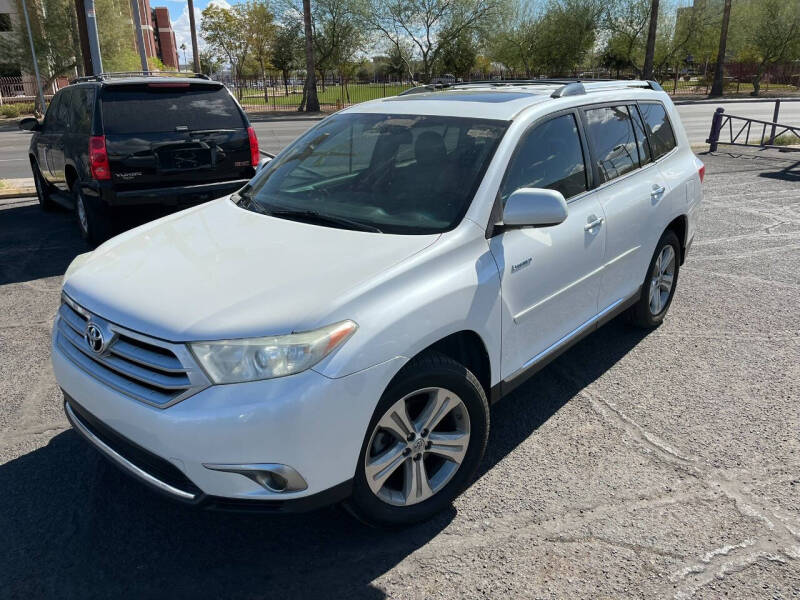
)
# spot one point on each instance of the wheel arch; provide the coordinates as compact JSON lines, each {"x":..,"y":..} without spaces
{"x":465,"y":347}
{"x":680,"y":225}
{"x":70,"y":175}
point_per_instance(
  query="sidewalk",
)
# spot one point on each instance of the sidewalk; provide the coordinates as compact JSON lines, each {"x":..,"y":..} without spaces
{"x":15,"y":188}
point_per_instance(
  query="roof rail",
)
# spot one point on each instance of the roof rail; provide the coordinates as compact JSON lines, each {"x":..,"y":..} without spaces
{"x":117,"y":74}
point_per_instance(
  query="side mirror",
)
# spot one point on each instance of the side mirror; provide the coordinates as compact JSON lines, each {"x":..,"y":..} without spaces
{"x":30,"y":124}
{"x":534,"y":207}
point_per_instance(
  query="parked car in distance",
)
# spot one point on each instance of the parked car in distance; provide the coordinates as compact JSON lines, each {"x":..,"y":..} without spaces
{"x":447,"y":78}
{"x":337,"y":329}
{"x":117,"y":143}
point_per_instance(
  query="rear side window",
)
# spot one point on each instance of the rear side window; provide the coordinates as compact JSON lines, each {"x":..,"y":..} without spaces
{"x":662,"y":138}
{"x":157,"y":110}
{"x":610,"y":131}
{"x":549,"y":157}
{"x":82,"y":109}
{"x":641,"y":137}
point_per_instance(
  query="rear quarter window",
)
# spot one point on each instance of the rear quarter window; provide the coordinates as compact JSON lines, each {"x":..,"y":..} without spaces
{"x":156,"y":110}
{"x":662,"y":138}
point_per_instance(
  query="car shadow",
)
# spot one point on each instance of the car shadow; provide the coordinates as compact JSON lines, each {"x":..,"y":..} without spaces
{"x":36,"y":244}
{"x":72,"y":525}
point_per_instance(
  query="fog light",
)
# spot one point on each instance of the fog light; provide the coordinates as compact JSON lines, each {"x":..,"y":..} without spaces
{"x":273,"y":477}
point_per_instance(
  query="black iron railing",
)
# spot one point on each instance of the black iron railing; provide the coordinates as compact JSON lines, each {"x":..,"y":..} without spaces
{"x":731,"y":130}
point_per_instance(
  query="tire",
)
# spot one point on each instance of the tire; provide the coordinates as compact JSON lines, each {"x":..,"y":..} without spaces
{"x":650,"y":310}
{"x":42,"y":189}
{"x":94,"y":220}
{"x":443,"y":394}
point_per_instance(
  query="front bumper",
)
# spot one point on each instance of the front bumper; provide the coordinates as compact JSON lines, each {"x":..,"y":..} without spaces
{"x":307,"y":421}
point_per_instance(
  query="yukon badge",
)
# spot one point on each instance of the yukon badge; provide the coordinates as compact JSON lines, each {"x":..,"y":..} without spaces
{"x":521,"y":265}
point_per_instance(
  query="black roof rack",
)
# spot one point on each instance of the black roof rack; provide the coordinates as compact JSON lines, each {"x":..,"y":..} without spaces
{"x":122,"y":74}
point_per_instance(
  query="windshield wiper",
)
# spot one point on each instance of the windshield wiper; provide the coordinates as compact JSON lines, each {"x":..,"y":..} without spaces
{"x":314,"y":216}
{"x":244,"y":199}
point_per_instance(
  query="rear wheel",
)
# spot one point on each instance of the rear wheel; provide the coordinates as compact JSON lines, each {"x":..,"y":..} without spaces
{"x":659,"y":284}
{"x":94,"y":220}
{"x":423,"y":445}
{"x":42,"y":189}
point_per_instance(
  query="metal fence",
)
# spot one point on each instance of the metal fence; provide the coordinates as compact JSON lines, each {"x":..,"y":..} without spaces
{"x":258,"y":95}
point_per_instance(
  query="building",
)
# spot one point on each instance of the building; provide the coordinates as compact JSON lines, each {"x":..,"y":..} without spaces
{"x":159,"y":37}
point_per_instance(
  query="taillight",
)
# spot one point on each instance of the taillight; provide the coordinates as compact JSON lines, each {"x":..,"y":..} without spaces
{"x":701,"y":170}
{"x":98,"y":158}
{"x":255,"y":157}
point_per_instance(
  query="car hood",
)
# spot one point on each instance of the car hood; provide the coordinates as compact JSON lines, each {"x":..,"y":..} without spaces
{"x":218,"y":271}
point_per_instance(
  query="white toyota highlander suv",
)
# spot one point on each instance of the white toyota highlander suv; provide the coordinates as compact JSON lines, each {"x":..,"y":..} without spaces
{"x":337,"y":329}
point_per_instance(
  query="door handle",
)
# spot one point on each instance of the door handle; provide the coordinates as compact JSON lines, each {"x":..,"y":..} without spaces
{"x":657,"y":190}
{"x":595,"y":222}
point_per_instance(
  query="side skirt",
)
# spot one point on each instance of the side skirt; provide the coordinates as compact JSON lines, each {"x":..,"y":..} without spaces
{"x":508,"y":385}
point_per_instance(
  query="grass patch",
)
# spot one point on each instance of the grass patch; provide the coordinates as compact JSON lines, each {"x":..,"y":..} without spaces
{"x":17,"y":109}
{"x":331,"y":96}
{"x":785,"y":139}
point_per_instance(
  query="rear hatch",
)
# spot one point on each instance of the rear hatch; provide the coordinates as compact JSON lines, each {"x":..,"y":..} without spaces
{"x":162,"y":134}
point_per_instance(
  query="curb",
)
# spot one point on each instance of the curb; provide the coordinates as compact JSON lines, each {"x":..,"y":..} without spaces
{"x":7,"y":193}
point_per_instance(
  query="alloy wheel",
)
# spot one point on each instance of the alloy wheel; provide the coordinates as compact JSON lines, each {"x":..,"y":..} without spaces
{"x":417,"y":446}
{"x":661,"y":279}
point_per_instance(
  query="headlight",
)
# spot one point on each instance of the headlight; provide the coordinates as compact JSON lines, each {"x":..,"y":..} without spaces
{"x":233,"y":361}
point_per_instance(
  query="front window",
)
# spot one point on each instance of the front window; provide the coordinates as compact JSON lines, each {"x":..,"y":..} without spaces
{"x":389,"y":173}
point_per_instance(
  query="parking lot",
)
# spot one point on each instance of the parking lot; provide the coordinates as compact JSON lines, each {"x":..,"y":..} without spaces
{"x":637,"y":465}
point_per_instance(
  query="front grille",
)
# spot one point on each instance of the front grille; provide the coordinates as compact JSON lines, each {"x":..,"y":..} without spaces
{"x":150,"y":370}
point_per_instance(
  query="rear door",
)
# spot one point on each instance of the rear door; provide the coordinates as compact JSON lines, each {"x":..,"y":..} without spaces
{"x":47,"y":136}
{"x":628,"y":184}
{"x":173,"y":134}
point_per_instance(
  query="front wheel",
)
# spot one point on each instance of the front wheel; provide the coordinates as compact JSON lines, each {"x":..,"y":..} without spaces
{"x":659,"y":284}
{"x":423,"y":444}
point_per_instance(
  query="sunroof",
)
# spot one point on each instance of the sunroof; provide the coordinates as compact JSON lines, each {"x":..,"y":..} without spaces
{"x":477,"y":96}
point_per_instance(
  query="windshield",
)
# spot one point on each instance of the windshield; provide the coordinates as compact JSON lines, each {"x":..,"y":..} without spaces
{"x":390,"y":173}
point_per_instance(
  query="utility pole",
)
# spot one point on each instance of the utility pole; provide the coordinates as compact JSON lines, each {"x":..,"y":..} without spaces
{"x":33,"y":56}
{"x":193,"y":30}
{"x":137,"y":23}
{"x":649,"y":54}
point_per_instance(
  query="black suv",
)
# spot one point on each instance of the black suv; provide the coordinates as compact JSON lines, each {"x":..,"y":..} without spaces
{"x":112,"y":142}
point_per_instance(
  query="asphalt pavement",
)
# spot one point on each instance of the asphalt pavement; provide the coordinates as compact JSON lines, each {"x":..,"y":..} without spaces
{"x":637,"y":465}
{"x":275,"y":133}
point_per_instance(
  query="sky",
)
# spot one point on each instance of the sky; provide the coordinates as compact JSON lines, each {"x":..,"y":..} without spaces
{"x":179,"y":15}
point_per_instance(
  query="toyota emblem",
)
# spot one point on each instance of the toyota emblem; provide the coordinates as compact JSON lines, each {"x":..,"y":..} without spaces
{"x":94,"y":338}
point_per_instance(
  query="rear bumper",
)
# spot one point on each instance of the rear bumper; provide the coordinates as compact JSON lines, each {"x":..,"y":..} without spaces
{"x":185,"y":195}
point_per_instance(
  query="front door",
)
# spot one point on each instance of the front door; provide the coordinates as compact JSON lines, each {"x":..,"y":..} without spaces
{"x":550,"y":276}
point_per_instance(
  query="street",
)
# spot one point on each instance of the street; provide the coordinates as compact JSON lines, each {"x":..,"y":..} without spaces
{"x":660,"y":464}
{"x":274,"y":134}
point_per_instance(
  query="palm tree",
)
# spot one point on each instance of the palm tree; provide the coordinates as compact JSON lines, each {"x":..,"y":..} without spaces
{"x":183,"y":47}
{"x":719,"y":69}
{"x":310,"y":91}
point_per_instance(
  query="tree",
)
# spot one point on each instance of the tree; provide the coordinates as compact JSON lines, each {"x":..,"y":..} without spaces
{"x":458,"y":56}
{"x":719,"y":69}
{"x":116,"y":33}
{"x":565,"y":35}
{"x":514,"y":42}
{"x":209,"y":62}
{"x":772,"y":35}
{"x":225,"y":30}
{"x":261,"y":35}
{"x":624,"y":23}
{"x":310,"y":101}
{"x":286,"y":49}
{"x":429,"y":25}
{"x":650,"y":47}
{"x":338,"y":34}
{"x":56,"y":19}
